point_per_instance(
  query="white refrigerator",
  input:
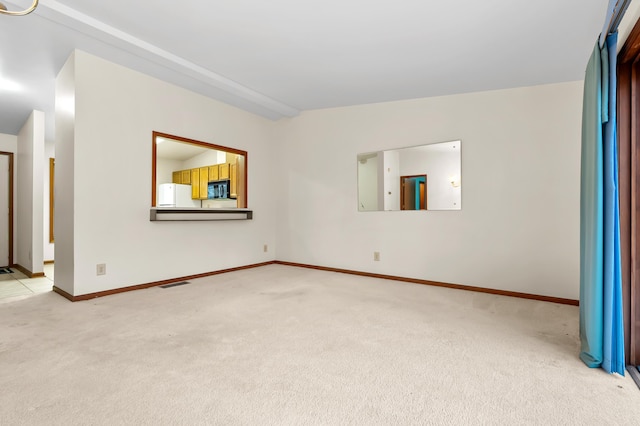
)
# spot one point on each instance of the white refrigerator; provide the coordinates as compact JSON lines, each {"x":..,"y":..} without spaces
{"x":175,"y":195}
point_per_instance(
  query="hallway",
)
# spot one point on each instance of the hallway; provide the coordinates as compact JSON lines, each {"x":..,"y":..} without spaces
{"x":16,"y":286}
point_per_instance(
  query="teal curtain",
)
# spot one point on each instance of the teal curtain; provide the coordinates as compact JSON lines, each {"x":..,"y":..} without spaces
{"x":601,"y":323}
{"x":591,"y":215}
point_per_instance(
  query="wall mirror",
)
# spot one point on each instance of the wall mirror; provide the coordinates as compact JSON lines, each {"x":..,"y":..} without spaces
{"x":192,"y":174}
{"x":425,"y":177}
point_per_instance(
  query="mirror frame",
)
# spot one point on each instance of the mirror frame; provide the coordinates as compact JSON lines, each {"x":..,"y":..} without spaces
{"x":181,"y":139}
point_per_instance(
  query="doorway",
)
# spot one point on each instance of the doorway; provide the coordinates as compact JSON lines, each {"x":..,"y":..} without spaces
{"x":48,"y":251}
{"x":413,"y":192}
{"x":6,"y":209}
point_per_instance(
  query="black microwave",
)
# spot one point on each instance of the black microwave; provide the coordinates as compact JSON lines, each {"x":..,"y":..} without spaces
{"x":218,"y":189}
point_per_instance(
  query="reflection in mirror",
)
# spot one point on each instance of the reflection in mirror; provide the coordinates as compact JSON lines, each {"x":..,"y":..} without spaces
{"x":191,"y":174}
{"x":425,"y":177}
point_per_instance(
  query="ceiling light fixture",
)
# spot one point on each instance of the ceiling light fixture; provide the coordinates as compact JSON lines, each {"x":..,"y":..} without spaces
{"x":4,"y":11}
{"x":9,"y":85}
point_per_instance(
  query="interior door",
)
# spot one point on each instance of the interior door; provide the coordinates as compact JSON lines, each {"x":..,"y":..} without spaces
{"x":413,"y":192}
{"x":5,"y":225}
{"x":407,"y":195}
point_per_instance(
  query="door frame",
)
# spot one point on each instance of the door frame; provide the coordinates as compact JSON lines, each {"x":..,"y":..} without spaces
{"x":402,"y":179}
{"x":628,"y":74}
{"x":52,"y":172}
{"x":10,"y":224}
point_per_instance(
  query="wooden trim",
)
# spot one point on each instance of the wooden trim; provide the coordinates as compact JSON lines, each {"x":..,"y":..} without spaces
{"x":63,"y":293}
{"x":154,"y":169}
{"x":320,"y":268}
{"x":624,"y":188}
{"x":48,"y":262}
{"x":51,"y":197}
{"x":196,"y":142}
{"x":154,"y":284}
{"x":634,"y":212}
{"x":156,"y":134}
{"x":11,"y":207}
{"x":246,"y":192}
{"x":628,"y":75}
{"x":631,"y":48}
{"x":10,"y":155}
{"x":27,"y":272}
{"x":437,"y":284}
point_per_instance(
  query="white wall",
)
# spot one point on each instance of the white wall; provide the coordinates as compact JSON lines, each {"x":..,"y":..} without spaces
{"x":207,"y":158}
{"x":518,"y":228}
{"x":64,"y":185}
{"x":116,"y":111}
{"x":29,"y":211}
{"x":165,"y":169}
{"x":9,"y":143}
{"x":517,"y":231}
{"x":48,"y":247}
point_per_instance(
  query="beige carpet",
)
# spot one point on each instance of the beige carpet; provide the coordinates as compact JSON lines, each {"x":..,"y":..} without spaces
{"x":285,"y":345}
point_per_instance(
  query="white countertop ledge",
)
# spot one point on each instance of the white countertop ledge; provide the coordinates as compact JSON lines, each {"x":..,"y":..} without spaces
{"x":193,"y":214}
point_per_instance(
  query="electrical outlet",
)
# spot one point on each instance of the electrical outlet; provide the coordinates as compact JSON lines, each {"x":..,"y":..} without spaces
{"x":376,"y":256}
{"x":265,"y":248}
{"x":101,"y":269}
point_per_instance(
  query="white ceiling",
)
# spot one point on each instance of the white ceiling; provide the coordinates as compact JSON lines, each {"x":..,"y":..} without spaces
{"x":279,"y":57}
{"x":171,"y":149}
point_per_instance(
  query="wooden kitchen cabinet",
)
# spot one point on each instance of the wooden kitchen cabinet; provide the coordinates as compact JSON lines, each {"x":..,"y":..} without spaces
{"x":233,"y":183}
{"x":181,"y":177}
{"x":213,"y":173}
{"x":203,"y":183}
{"x":195,"y":184}
{"x":223,"y":171}
{"x":241,"y":183}
{"x":186,"y":176}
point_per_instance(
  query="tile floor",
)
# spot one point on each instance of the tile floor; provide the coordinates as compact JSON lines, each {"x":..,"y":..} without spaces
{"x":18,"y":286}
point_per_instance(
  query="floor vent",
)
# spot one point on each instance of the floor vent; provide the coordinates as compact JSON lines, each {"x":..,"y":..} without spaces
{"x":6,"y":271}
{"x":175,"y":284}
